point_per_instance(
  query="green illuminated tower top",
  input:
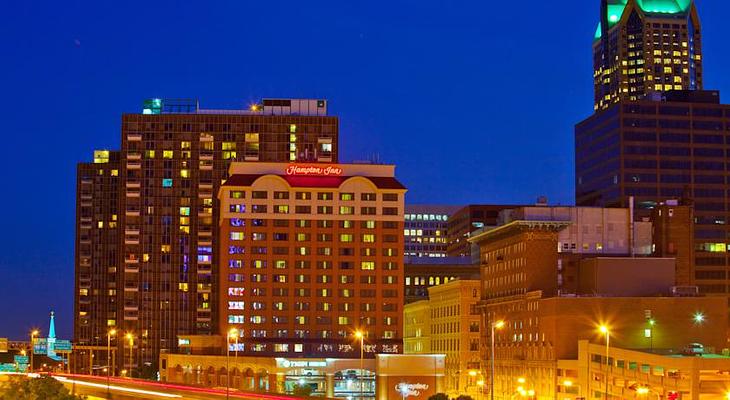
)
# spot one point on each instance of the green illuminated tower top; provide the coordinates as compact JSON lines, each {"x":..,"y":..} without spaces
{"x":647,"y":46}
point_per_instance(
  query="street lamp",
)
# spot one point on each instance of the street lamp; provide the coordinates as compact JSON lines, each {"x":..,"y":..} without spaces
{"x":495,"y":325}
{"x":605,"y":331}
{"x":33,"y":334}
{"x":698,"y":317}
{"x":360,"y":335}
{"x":231,"y":333}
{"x":109,"y":335}
{"x":130,"y":337}
{"x":480,"y":384}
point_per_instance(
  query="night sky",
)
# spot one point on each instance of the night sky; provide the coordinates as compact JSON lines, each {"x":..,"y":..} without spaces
{"x":474,"y":101}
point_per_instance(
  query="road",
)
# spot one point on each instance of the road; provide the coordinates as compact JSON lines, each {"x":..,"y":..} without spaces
{"x":124,"y":389}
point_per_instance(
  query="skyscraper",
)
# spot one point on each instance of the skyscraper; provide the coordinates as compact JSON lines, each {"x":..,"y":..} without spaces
{"x":645,"y":46}
{"x":159,"y":275}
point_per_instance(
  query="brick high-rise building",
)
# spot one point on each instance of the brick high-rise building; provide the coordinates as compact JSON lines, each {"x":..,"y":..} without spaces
{"x":97,"y":249}
{"x":309,"y":255}
{"x":174,"y":157}
{"x":642,"y":47}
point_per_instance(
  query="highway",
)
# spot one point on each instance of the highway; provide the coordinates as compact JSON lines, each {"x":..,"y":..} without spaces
{"x":124,"y":388}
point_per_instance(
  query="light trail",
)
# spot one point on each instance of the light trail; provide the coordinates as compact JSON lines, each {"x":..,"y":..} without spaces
{"x":116,"y":388}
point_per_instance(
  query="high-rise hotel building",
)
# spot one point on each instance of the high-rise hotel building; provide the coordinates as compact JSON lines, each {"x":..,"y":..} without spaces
{"x":310,"y":254}
{"x":645,"y":46}
{"x":158,"y":278}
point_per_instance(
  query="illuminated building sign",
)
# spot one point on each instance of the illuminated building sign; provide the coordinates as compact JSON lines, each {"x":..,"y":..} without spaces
{"x":411,"y":389}
{"x":313,"y":170}
{"x":299,"y":364}
{"x":183,"y":342}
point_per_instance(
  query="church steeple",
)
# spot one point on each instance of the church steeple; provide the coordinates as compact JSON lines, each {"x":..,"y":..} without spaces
{"x":52,"y":328}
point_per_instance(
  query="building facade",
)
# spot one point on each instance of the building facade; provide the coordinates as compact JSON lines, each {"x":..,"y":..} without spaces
{"x":97,"y":249}
{"x":643,"y":47}
{"x":449,"y":323}
{"x":422,"y":273}
{"x":539,"y":342}
{"x":174,"y":155}
{"x":467,"y":220}
{"x":310,"y":254}
{"x":660,"y":151}
{"x":426,"y":230}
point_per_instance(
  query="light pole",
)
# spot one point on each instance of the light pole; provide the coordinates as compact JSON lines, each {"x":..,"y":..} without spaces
{"x":233,"y":332}
{"x":130,"y":337}
{"x":480,"y":385}
{"x":361,"y":336}
{"x":109,"y":335}
{"x":33,"y":334}
{"x":605,"y":331}
{"x":495,"y":325}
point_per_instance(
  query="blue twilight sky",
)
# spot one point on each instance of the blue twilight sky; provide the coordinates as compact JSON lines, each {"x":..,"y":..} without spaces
{"x":475,"y":101}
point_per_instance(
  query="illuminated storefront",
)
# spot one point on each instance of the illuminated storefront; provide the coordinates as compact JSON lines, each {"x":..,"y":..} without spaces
{"x":386,"y":377}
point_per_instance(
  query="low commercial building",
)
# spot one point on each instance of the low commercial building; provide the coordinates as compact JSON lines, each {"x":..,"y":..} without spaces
{"x":449,"y":323}
{"x":539,"y":342}
{"x":418,"y":376}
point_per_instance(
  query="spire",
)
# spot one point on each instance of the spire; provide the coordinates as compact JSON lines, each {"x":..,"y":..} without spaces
{"x":52,"y":328}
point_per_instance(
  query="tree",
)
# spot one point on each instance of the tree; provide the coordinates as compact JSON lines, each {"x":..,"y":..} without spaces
{"x":46,"y":388}
{"x":464,"y":397}
{"x":438,"y":396}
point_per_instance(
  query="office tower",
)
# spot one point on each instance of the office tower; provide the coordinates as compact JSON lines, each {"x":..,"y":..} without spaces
{"x":466,"y":220}
{"x":310,"y":254}
{"x":174,"y":157}
{"x":645,"y":46}
{"x":658,"y":151}
{"x":97,"y":249}
{"x":426,"y":230}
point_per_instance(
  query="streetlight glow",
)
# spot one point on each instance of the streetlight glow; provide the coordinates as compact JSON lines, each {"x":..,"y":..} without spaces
{"x":699,"y":317}
{"x":642,"y":390}
{"x":520,"y":380}
{"x":499,"y":324}
{"x":603,"y":329}
{"x":567,"y":383}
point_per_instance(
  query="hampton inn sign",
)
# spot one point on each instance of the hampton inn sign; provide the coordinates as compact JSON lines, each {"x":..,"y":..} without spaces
{"x":313,"y":170}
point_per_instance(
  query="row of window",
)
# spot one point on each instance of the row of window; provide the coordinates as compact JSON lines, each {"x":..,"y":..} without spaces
{"x":321,"y":264}
{"x":323,"y":279}
{"x":307,"y":292}
{"x":321,"y":210}
{"x":322,"y":196}
{"x":307,"y":306}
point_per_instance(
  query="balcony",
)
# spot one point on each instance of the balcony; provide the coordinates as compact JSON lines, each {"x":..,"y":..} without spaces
{"x":132,"y":193}
{"x":134,"y":165}
{"x":131,"y":260}
{"x":133,"y":155}
{"x":134,"y":137}
{"x":133,"y":185}
{"x":132,"y":212}
{"x":131,"y":268}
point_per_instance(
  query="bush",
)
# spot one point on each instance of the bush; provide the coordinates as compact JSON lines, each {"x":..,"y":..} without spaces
{"x":464,"y":397}
{"x":46,"y":388}
{"x":439,"y":396}
{"x":302,"y":390}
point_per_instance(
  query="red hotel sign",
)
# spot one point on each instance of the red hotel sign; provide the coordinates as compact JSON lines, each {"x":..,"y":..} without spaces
{"x":313,"y":170}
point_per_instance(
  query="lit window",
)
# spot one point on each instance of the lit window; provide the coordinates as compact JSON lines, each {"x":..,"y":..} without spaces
{"x":236,"y":236}
{"x":167,"y":154}
{"x":367,"y":265}
{"x":167,"y":182}
{"x":345,"y":238}
{"x":368,"y":238}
